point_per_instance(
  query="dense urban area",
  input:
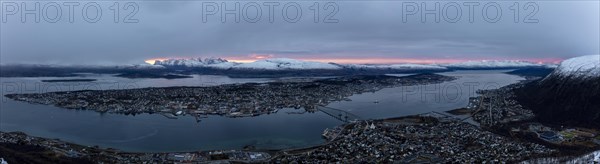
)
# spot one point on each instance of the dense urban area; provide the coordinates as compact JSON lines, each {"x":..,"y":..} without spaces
{"x":492,"y":128}
{"x":417,"y":139}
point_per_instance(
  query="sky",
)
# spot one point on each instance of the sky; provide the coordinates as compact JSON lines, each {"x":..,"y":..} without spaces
{"x":352,"y":31}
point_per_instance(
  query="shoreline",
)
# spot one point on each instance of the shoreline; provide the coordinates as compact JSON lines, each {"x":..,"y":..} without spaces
{"x":272,"y":153}
{"x":68,"y":80}
{"x":232,"y":100}
{"x":300,"y":154}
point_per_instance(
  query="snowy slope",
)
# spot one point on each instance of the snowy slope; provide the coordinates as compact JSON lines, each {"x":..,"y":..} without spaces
{"x":141,"y":66}
{"x":266,"y":64}
{"x":396,"y":66}
{"x":293,"y":64}
{"x":284,"y":64}
{"x":223,"y":65}
{"x":583,"y":66}
{"x":287,"y":64}
{"x":491,"y":64}
{"x":568,"y":95}
{"x":192,"y":62}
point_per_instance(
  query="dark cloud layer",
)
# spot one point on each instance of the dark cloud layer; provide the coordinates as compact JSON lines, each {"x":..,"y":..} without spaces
{"x":364,"y":29}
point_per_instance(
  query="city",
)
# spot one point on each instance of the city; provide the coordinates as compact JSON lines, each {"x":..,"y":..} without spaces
{"x":430,"y":137}
{"x":350,"y":81}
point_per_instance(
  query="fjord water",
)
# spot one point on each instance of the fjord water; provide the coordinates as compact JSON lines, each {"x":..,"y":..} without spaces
{"x":156,"y":133}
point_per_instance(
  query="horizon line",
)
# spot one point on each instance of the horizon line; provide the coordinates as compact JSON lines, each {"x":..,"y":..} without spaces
{"x":371,"y":60}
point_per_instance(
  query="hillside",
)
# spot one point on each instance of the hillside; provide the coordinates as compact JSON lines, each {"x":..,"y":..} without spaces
{"x":570,"y":95}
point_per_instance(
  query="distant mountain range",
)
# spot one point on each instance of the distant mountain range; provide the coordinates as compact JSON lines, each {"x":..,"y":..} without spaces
{"x":569,"y":95}
{"x":493,"y":64}
{"x":286,"y":64}
{"x":259,"y":68}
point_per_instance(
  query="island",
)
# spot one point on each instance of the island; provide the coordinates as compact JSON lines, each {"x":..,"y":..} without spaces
{"x":232,"y":100}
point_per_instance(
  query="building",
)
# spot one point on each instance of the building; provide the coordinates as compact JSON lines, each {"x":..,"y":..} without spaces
{"x":549,"y":136}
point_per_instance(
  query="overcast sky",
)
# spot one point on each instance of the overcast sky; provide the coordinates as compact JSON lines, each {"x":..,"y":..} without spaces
{"x":369,"y":32}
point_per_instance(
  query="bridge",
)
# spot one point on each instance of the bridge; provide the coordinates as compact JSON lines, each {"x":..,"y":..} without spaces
{"x":339,"y":114}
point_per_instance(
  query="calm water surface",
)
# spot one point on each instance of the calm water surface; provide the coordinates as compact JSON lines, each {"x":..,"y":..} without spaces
{"x":156,"y":133}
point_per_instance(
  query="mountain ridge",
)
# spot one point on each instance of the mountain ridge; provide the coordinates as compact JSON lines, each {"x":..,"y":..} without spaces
{"x":567,"y":96}
{"x":295,"y":63}
{"x":273,"y":67}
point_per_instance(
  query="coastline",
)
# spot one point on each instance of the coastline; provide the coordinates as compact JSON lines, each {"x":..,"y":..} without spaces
{"x":274,"y":155}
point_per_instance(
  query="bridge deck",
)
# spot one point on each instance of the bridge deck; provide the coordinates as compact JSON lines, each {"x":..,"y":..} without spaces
{"x":339,"y":114}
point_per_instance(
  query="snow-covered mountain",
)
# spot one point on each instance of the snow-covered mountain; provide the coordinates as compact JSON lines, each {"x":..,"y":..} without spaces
{"x":579,"y":67}
{"x":193,"y":62}
{"x":139,"y":66}
{"x":285,"y":64}
{"x":294,"y":64}
{"x":396,"y":66}
{"x":490,"y":64}
{"x":266,"y":64}
{"x":568,"y":95}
